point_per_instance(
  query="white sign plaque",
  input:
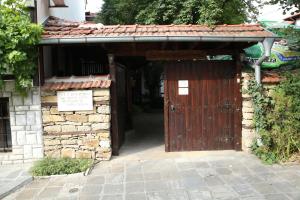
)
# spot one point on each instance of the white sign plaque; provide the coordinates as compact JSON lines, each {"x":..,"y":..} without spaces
{"x":183,"y":91}
{"x":77,"y":100}
{"x":183,"y":83}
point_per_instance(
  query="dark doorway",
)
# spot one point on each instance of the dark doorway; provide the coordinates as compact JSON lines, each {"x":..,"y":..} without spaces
{"x":146,"y":107}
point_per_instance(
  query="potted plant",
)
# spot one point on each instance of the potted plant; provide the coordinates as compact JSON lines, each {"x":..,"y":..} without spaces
{"x":59,"y":3}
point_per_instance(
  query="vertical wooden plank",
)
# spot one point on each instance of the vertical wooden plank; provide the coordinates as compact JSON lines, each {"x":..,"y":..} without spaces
{"x":238,"y":105}
{"x":41,"y":73}
{"x":114,"y":106}
{"x":166,"y":109}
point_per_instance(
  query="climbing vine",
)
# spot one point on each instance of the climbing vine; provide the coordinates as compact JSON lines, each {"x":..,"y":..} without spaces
{"x":277,"y":119}
{"x":18,"y":40}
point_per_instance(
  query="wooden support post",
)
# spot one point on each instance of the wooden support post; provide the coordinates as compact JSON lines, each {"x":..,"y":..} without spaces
{"x":114,"y":105}
{"x":41,"y":75}
{"x":238,"y":104}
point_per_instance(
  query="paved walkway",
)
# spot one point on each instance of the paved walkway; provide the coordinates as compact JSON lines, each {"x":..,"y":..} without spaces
{"x":188,"y":176}
{"x":13,"y":178}
{"x":144,"y":171}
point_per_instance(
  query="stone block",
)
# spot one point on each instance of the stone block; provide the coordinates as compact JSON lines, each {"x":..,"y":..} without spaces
{"x":105,"y":143}
{"x":99,"y":118}
{"x":68,"y":128}
{"x":35,"y":107}
{"x":84,"y":128}
{"x":49,"y":99}
{"x":28,"y":99}
{"x":52,"y":129}
{"x":30,"y":120}
{"x":14,"y":138}
{"x":84,"y":154}
{"x":248,"y":104}
{"x":37,"y":153}
{"x":77,"y":118}
{"x":31,"y":139}
{"x":17,"y":100}
{"x":9,"y":86}
{"x":36,"y":99}
{"x":53,"y":154}
{"x":248,"y":116}
{"x":93,"y":143}
{"x":21,"y":108}
{"x":103,"y":135}
{"x":247,"y":122}
{"x":68,"y":153}
{"x":12,"y":120}
{"x":54,"y":111}
{"x":15,"y":157}
{"x":105,"y":98}
{"x":53,"y":118}
{"x":48,"y":93}
{"x":6,"y":94}
{"x":69,"y":141}
{"x":27,"y":151}
{"x":100,"y":126}
{"x":103,"y":109}
{"x":18,"y":151}
{"x":21,"y":137}
{"x":17,"y":128}
{"x":100,"y":93}
{"x":52,"y":142}
{"x":20,"y":120}
{"x":247,"y":110}
{"x":39,"y":137}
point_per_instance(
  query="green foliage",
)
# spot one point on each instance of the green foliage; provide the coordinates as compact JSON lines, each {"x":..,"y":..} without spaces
{"x":277,"y":119}
{"x":52,"y":166}
{"x":18,"y":37}
{"x":209,"y":12}
{"x":287,"y":5}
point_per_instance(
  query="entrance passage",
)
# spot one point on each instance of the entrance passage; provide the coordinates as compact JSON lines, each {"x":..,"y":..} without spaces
{"x":147,"y":135}
{"x":202,"y":106}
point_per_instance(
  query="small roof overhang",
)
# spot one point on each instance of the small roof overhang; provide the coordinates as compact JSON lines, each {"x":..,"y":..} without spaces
{"x":58,"y":31}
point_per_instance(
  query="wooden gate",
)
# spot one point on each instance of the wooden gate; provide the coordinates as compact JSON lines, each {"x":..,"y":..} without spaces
{"x":118,"y":105}
{"x":202,"y":106}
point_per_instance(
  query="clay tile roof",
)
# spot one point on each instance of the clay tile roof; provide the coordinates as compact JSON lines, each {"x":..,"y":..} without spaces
{"x":69,"y":83}
{"x":56,"y":28}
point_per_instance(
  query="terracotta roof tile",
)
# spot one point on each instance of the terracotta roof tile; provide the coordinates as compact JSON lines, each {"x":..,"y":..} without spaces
{"x":56,"y":84}
{"x":58,"y":28}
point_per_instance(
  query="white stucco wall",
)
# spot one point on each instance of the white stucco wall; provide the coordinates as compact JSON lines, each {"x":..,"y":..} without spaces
{"x":42,"y":11}
{"x":74,"y":12}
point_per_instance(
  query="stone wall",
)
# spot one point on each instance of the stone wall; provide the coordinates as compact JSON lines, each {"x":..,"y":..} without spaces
{"x":78,"y":134}
{"x":248,"y":130}
{"x":26,"y":125}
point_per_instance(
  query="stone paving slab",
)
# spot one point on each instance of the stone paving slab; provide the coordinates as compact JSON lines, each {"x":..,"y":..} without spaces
{"x":12,"y":178}
{"x":214,"y":176}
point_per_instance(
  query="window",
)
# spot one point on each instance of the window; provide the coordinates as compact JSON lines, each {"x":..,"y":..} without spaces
{"x":5,"y":132}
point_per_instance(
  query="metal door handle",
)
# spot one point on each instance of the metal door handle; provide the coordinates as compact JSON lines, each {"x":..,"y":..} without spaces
{"x":172,"y":108}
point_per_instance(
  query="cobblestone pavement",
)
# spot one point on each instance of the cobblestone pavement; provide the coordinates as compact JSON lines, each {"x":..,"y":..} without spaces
{"x":143,"y":171}
{"x":12,"y":177}
{"x":174,"y":176}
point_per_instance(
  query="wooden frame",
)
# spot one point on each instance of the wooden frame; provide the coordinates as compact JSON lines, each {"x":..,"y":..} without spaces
{"x":166,"y":113}
{"x":238,"y":102}
{"x":114,"y":106}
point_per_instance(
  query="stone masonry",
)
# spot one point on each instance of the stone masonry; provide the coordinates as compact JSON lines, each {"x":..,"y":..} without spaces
{"x":78,"y":134}
{"x":248,"y":129}
{"x":26,"y":125}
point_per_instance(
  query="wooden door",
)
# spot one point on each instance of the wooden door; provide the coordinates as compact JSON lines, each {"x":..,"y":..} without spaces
{"x":118,"y":105}
{"x":208,"y":115}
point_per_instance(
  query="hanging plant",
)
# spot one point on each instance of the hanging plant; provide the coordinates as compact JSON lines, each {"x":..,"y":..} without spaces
{"x":18,"y":40}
